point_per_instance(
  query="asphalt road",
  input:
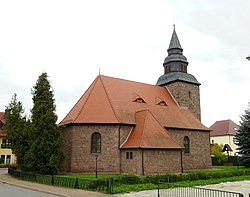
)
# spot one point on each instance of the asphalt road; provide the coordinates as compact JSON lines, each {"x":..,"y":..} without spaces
{"x":14,"y":191}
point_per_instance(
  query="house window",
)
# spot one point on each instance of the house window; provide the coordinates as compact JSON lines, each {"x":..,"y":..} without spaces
{"x":8,"y":159}
{"x":4,"y":141}
{"x":186,"y":144}
{"x":129,"y":155}
{"x":96,"y":143}
{"x":3,"y":158}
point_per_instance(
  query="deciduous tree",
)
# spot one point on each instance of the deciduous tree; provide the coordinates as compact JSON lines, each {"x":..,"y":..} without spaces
{"x":217,"y":153}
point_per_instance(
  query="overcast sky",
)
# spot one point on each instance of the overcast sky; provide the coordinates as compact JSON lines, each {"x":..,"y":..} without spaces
{"x":71,"y":40}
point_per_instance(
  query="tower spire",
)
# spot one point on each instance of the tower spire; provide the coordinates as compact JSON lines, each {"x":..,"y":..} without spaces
{"x":175,"y":64}
{"x":174,"y":42}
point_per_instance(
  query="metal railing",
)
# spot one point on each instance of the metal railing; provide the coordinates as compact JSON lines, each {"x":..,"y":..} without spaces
{"x":103,"y":185}
{"x":175,"y":190}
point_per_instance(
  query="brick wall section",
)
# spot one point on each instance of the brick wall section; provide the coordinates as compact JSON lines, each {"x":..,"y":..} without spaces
{"x":162,"y":161}
{"x":131,"y":166}
{"x":67,"y":148}
{"x":200,"y":154}
{"x":77,"y":146}
{"x":77,"y":149}
{"x":153,"y":162}
{"x":187,"y":95}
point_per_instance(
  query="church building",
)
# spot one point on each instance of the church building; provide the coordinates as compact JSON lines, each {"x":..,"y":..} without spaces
{"x":136,"y":128}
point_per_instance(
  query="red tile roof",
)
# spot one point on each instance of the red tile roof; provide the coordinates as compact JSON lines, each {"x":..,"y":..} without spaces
{"x":148,"y":133}
{"x":2,"y":122}
{"x":223,"y":127}
{"x":2,"y":117}
{"x":112,"y":100}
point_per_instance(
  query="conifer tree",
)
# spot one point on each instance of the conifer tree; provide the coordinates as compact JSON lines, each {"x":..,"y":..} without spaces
{"x":45,"y":155}
{"x":243,"y":138}
{"x":17,"y":129}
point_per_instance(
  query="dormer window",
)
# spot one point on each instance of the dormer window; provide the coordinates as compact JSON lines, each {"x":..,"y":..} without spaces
{"x":139,"y":100}
{"x":162,"y":103}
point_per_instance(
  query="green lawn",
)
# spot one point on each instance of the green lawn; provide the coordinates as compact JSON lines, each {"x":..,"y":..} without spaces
{"x":88,"y":176}
{"x":141,"y":185}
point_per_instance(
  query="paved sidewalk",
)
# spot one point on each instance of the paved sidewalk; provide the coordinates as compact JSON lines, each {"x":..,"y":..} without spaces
{"x":239,"y":186}
{"x":60,"y":191}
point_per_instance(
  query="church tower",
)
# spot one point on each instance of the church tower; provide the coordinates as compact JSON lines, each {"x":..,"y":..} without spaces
{"x":183,"y":86}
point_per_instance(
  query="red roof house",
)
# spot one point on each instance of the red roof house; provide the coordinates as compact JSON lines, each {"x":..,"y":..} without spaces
{"x":1,"y":124}
{"x":223,"y":132}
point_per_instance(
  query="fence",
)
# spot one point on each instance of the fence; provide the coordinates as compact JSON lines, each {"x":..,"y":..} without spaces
{"x":104,"y":185}
{"x":175,"y":190}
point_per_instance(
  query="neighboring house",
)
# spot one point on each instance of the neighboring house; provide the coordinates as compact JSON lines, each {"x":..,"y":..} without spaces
{"x":5,"y":149}
{"x":124,"y":126}
{"x":223,"y":132}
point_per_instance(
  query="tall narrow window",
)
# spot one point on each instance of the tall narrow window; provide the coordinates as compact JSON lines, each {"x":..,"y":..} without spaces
{"x":8,"y":159}
{"x":186,"y":144}
{"x":96,"y":143}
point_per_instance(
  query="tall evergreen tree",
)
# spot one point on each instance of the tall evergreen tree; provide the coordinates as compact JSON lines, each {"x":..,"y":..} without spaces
{"x":16,"y":128}
{"x":243,"y":138}
{"x":45,"y":155}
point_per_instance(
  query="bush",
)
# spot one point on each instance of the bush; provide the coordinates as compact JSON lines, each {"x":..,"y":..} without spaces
{"x":130,"y":179}
{"x":216,"y":162}
{"x":1,"y":160}
{"x":8,"y":165}
{"x":233,"y":160}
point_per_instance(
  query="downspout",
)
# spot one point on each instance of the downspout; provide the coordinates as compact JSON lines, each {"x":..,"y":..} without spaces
{"x":142,"y":161}
{"x":119,"y":144}
{"x":182,"y":170}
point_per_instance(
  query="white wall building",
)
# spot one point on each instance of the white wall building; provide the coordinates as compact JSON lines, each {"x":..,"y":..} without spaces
{"x":223,"y":132}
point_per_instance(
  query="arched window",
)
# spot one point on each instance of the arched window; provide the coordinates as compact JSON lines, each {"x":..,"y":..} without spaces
{"x":186,"y":144}
{"x":96,"y":143}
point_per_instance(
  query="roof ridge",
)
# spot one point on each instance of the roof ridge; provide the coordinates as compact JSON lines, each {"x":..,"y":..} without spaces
{"x":172,"y":96}
{"x":144,"y":125}
{"x":70,"y":121}
{"x":128,"y":136}
{"x":130,"y":81}
{"x":94,"y":84}
{"x":167,"y":132}
{"x":112,"y":107}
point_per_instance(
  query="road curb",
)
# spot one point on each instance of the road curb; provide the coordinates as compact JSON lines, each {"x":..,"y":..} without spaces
{"x":34,"y":189}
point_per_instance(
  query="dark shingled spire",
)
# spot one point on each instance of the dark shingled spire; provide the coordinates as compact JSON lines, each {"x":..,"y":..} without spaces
{"x":175,"y":64}
{"x":174,"y":43}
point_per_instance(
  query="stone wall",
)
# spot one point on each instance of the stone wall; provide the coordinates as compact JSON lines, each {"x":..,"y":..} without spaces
{"x":150,"y":161}
{"x":131,"y":166}
{"x":162,"y":161}
{"x":200,"y":154}
{"x":187,"y":95}
{"x":77,"y":147}
{"x":67,"y":148}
